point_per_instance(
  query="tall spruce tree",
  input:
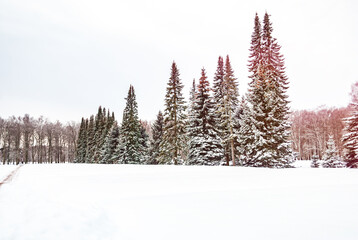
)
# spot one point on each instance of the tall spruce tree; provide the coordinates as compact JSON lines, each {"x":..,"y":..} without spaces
{"x":220,"y":107}
{"x":204,"y":145}
{"x":91,"y":141}
{"x":264,"y":138}
{"x":277,"y":82}
{"x":130,"y":132}
{"x":157,"y":136}
{"x":100,"y":125}
{"x":174,"y":136}
{"x":231,"y":95}
{"x":81,"y":143}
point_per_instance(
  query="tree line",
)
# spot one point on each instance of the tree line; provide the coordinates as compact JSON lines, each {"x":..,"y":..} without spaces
{"x":29,"y":140}
{"x":216,"y":127}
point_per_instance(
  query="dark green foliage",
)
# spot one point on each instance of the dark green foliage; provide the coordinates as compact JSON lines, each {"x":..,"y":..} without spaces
{"x":204,"y":142}
{"x":264,"y":137}
{"x":314,"y":161}
{"x":81,"y":143}
{"x":157,"y":136}
{"x":110,"y":146}
{"x":130,"y":145}
{"x":174,"y":138}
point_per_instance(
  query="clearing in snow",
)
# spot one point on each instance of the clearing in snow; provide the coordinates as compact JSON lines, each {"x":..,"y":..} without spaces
{"x":80,"y":201}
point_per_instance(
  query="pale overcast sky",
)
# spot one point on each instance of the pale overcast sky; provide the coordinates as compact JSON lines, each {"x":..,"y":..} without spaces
{"x":62,"y":59}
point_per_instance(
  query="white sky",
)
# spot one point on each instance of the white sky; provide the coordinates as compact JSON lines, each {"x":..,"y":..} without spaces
{"x":62,"y":59}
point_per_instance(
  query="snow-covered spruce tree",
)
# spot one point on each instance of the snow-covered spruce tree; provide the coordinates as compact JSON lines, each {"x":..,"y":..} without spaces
{"x":130,"y":147}
{"x":314,"y":161}
{"x":193,"y":125}
{"x":157,"y":135}
{"x":91,"y":141}
{"x":109,"y":153}
{"x":330,"y":157}
{"x":231,"y":95}
{"x":205,"y":145}
{"x":350,"y":139}
{"x":246,"y":135}
{"x":220,"y":107}
{"x":81,"y":143}
{"x":100,"y":133}
{"x":277,"y":81}
{"x":144,"y":144}
{"x":174,"y":140}
{"x":264,"y":138}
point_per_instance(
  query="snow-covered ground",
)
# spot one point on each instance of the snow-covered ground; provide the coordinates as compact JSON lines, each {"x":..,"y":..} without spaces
{"x":5,"y":170}
{"x":68,"y":201}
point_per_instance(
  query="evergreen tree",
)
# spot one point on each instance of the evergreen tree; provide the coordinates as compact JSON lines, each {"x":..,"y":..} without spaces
{"x":231,"y":95}
{"x":100,"y":125}
{"x":81,"y":143}
{"x":331,"y":158}
{"x":109,"y":151}
{"x":265,"y":129}
{"x":350,"y":139}
{"x":91,"y":141}
{"x":157,"y":136}
{"x":174,"y":136}
{"x":204,"y":146}
{"x":277,"y":82}
{"x":314,"y":161}
{"x":130,"y":132}
{"x":144,"y":144}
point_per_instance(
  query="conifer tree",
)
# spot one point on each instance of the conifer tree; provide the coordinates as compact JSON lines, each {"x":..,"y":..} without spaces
{"x":204,"y":145}
{"x":314,"y":161}
{"x":231,"y":95}
{"x":157,"y":136}
{"x":109,"y":153}
{"x":144,"y":144}
{"x":350,"y":139}
{"x":130,"y":132}
{"x":81,"y":143}
{"x":277,"y":82}
{"x":100,"y":124}
{"x":174,"y":136}
{"x":265,"y":129}
{"x":330,"y":157}
{"x":91,"y":141}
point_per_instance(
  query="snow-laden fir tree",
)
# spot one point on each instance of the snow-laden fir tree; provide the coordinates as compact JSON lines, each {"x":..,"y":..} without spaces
{"x":157,"y":136}
{"x":205,"y":146}
{"x":81,"y":143}
{"x":225,"y":97}
{"x":144,"y":144}
{"x":174,"y":140}
{"x":264,"y":138}
{"x":109,"y":151}
{"x":315,"y":161}
{"x":274,"y":67}
{"x":100,"y":128}
{"x":130,"y":150}
{"x":350,"y":139}
{"x":330,"y":157}
{"x":91,"y":140}
{"x":193,"y":125}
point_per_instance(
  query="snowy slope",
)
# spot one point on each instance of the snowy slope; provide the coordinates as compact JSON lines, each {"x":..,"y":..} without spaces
{"x":178,"y":202}
{"x":5,"y":170}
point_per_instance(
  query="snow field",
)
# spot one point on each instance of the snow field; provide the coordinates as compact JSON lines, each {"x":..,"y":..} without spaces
{"x":5,"y":170}
{"x":80,"y":201}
